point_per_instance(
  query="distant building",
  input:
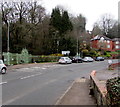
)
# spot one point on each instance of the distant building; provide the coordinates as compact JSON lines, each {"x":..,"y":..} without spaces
{"x":116,"y":44}
{"x":105,"y":43}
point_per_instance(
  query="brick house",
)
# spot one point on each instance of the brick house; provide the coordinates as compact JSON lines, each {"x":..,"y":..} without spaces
{"x":116,"y":44}
{"x":105,"y":43}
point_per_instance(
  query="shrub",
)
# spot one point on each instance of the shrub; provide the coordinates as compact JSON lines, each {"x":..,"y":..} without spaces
{"x":43,"y":58}
{"x":85,"y":52}
{"x":93,"y":53}
{"x":113,"y":88}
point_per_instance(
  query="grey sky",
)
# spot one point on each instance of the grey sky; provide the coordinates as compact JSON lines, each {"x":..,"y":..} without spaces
{"x":91,"y":9}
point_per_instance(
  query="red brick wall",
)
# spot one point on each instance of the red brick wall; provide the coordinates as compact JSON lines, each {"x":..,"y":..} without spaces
{"x":94,"y":44}
{"x":114,"y":46}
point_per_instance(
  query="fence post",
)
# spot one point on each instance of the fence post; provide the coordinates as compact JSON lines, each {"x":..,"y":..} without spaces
{"x":17,"y":58}
{"x":8,"y":58}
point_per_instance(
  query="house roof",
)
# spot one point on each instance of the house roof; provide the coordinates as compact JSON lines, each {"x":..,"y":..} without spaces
{"x":116,"y":39}
{"x":99,"y":37}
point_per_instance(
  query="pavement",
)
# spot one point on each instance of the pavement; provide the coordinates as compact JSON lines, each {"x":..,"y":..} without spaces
{"x":77,"y":94}
{"x":27,"y":65}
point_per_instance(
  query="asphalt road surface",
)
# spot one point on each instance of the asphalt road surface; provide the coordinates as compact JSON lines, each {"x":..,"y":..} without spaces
{"x":43,"y":85}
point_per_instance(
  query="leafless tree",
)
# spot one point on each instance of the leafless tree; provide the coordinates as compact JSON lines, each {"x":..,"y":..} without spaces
{"x":106,"y":23}
{"x":96,"y":30}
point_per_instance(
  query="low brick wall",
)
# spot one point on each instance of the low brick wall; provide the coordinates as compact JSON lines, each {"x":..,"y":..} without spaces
{"x":115,"y":65}
{"x":99,"y":90}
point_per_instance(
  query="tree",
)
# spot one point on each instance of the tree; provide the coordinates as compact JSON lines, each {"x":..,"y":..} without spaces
{"x":113,"y":32}
{"x":35,"y":13}
{"x":107,"y":26}
{"x":60,"y":25}
{"x":107,"y":23}
{"x":25,"y":26}
{"x":55,"y":19}
{"x":96,"y":30}
{"x":21,"y":8}
{"x":66,"y":23}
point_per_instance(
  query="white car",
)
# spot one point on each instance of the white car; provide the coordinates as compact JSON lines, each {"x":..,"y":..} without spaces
{"x":88,"y":59}
{"x":3,"y":68}
{"x":65,"y":60}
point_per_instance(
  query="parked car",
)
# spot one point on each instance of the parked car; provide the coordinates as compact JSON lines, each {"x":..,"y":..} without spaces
{"x":3,"y":67}
{"x":65,"y":60}
{"x":88,"y":59}
{"x":77,"y":59}
{"x":99,"y":59}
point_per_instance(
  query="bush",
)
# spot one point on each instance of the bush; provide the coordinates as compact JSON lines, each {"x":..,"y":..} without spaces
{"x":85,"y":52}
{"x":42,"y":58}
{"x":107,"y":54}
{"x":113,"y":88}
{"x":92,"y":53}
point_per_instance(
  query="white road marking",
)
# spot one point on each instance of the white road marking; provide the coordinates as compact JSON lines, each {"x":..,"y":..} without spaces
{"x":35,"y":67}
{"x":30,"y":76}
{"x":43,"y":68}
{"x":3,"y":83}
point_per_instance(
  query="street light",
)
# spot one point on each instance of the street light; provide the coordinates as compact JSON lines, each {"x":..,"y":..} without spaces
{"x":0,"y":35}
{"x":57,"y":40}
{"x":8,"y":47}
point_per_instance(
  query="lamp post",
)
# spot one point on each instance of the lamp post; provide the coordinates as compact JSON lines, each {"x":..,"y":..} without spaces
{"x":8,"y":47}
{"x":57,"y":40}
{"x":0,"y":36}
{"x":57,"y":45}
{"x":77,"y":47}
{"x":8,"y":39}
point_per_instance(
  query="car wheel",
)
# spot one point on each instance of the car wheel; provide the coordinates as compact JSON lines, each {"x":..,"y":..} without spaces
{"x":3,"y":71}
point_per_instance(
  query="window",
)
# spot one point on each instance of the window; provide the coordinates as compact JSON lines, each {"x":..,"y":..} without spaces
{"x":117,"y":42}
{"x":108,"y":46}
{"x":108,"y":41}
{"x":117,"y":46}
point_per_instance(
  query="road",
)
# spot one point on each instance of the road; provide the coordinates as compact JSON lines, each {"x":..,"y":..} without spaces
{"x":43,"y":85}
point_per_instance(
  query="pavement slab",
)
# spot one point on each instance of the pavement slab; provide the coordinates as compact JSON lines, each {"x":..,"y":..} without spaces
{"x":77,"y":94}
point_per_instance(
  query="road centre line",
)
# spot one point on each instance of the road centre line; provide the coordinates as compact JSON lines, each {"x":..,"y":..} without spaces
{"x":30,"y":76}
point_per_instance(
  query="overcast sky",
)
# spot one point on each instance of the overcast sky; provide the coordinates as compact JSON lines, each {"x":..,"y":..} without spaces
{"x":91,"y":9}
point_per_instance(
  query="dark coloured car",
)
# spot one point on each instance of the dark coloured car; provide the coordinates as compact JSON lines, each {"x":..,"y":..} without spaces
{"x":99,"y":59}
{"x":77,"y":59}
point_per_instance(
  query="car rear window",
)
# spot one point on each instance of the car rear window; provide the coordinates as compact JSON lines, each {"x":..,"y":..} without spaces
{"x":67,"y":58}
